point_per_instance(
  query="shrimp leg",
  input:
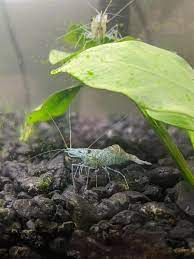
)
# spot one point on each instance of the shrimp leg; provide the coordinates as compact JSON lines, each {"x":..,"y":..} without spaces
{"x":73,"y":174}
{"x":107,"y":172}
{"x":96,"y":171}
{"x":116,"y":171}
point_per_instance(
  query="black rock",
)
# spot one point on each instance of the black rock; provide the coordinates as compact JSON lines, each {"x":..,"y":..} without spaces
{"x":136,"y":197}
{"x":185,"y":198}
{"x":158,"y":211}
{"x":91,"y":196}
{"x":61,"y":215}
{"x":59,"y":245}
{"x":59,"y":199}
{"x":14,"y":170}
{"x":7,"y":215}
{"x":109,"y":207}
{"x":84,"y":213}
{"x":113,"y":187}
{"x":4,"y":253}
{"x":136,"y":178}
{"x":38,"y":207}
{"x":32,"y":238}
{"x":127,"y":217}
{"x":22,"y":252}
{"x":183,"y":229}
{"x":36,"y":185}
{"x":153,"y":192}
{"x":164,"y":176}
{"x":101,"y":192}
{"x":23,"y":195}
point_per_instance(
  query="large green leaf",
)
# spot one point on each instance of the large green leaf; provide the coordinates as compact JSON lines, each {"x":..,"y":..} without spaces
{"x":156,"y":79}
{"x":55,"y":105}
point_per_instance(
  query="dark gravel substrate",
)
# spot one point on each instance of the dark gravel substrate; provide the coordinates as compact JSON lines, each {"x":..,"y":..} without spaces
{"x":42,"y":218}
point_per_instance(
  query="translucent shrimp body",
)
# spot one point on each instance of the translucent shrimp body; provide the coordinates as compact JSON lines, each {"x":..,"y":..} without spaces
{"x":99,"y":25}
{"x":112,"y":155}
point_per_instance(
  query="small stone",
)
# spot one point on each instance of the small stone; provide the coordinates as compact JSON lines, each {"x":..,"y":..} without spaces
{"x":91,"y":196}
{"x":158,"y":210}
{"x":61,"y":215}
{"x":185,"y":197}
{"x":30,"y":225}
{"x":6,"y":215}
{"x":101,"y":191}
{"x":9,"y":199}
{"x":32,"y":238}
{"x":38,"y":207}
{"x":35,"y":185}
{"x":44,"y":226}
{"x":8,"y":187}
{"x":153,"y":192}
{"x":137,"y":197}
{"x":127,"y":217}
{"x":23,"y":252}
{"x":14,"y":170}
{"x":184,"y":229}
{"x":137,"y":180}
{"x":23,"y":195}
{"x":84,"y":213}
{"x":170,"y":195}
{"x":3,"y":181}
{"x":58,"y":245}
{"x":4,"y":253}
{"x":164,"y":176}
{"x":109,"y":207}
{"x":59,"y":199}
{"x":114,"y":187}
{"x":66,"y":228}
{"x":23,"y":149}
{"x":167,"y":161}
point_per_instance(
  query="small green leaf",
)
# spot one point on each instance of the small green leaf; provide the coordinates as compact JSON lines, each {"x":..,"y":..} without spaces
{"x":74,"y":34}
{"x":55,"y":105}
{"x":79,"y":36}
{"x":56,"y":56}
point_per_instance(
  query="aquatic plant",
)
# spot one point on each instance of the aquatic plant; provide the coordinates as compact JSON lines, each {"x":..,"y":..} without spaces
{"x":158,"y":81}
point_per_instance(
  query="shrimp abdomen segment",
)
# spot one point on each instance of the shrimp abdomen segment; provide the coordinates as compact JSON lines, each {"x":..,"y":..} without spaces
{"x":112,"y":155}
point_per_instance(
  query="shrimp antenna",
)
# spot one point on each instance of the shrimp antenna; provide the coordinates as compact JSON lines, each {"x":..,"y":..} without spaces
{"x":58,"y":129}
{"x":123,"y":8}
{"x":106,"y":9}
{"x":116,"y":15}
{"x":93,"y":7}
{"x":81,"y":26}
{"x":46,"y":152}
{"x":111,"y":126}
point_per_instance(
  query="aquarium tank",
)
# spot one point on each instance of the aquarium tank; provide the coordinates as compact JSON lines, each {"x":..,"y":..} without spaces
{"x":96,"y":129}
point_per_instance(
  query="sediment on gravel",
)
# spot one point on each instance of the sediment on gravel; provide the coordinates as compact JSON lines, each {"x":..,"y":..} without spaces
{"x":41,"y":217}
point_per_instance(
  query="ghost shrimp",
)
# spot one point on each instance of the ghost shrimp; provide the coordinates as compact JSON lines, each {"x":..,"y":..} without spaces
{"x":94,"y":159}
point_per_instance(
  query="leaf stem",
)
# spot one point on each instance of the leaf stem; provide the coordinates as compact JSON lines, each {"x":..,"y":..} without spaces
{"x":176,"y":154}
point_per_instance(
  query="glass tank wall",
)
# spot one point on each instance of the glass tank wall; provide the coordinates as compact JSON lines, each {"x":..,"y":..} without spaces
{"x":29,"y":30}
